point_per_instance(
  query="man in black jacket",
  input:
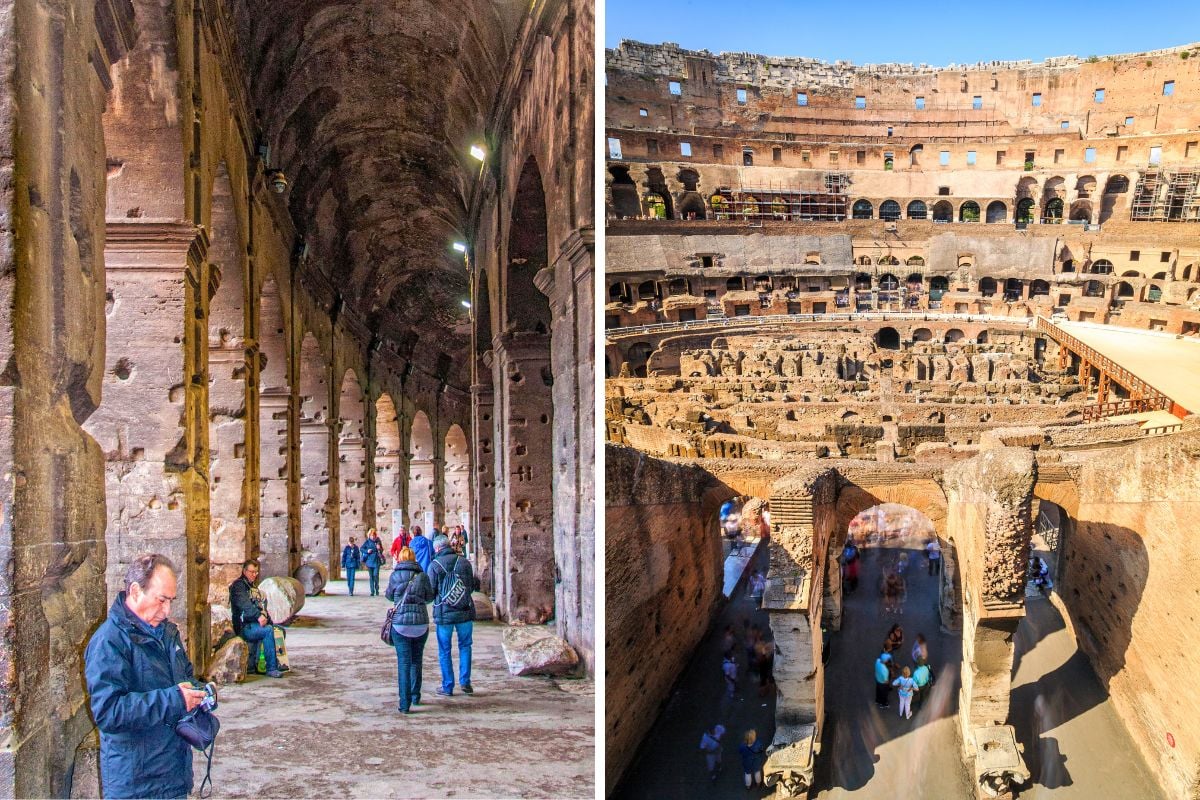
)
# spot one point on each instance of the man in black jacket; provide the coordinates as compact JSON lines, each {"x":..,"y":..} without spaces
{"x":250,"y":620}
{"x":139,"y":683}
{"x":453,"y":612}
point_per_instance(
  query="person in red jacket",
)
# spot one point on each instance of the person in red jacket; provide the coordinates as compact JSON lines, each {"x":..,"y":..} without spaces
{"x":398,"y":544}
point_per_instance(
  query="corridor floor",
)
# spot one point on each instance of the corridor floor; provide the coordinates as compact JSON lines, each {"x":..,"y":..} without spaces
{"x":330,"y":727}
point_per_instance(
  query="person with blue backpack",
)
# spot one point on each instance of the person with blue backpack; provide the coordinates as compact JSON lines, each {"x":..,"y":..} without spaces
{"x":453,"y":612}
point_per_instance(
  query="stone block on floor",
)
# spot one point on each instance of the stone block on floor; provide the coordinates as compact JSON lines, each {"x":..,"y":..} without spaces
{"x":536,"y":650}
{"x":229,"y":662}
{"x":285,"y":598}
{"x":313,"y":575}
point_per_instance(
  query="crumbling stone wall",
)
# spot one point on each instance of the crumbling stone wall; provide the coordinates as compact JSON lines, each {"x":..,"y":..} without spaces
{"x":662,"y":584}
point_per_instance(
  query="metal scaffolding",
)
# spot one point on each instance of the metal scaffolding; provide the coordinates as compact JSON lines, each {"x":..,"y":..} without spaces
{"x":781,"y":203}
{"x":1167,"y":196}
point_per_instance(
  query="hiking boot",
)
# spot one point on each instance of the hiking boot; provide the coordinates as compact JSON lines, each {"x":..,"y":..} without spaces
{"x":467,"y":689}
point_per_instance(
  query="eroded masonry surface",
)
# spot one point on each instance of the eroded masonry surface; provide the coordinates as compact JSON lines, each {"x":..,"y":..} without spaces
{"x":969,"y":291}
{"x":235,"y":323}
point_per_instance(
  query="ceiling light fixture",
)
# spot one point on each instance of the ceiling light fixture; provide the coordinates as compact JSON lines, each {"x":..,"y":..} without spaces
{"x":478,"y":153}
{"x":466,"y":304}
{"x":460,"y":247}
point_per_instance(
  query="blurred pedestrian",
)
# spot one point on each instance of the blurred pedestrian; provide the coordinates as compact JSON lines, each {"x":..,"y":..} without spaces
{"x":906,"y":687}
{"x":923,"y":678}
{"x":758,"y":587}
{"x":894,"y":639}
{"x":920,"y":650}
{"x":729,"y":669}
{"x":933,"y":554}
{"x":883,"y":680}
{"x":850,"y":559}
{"x":351,"y":561}
{"x":710,"y":745}
{"x":752,"y":760}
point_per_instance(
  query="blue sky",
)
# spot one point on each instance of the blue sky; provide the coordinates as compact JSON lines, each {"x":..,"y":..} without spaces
{"x":930,"y":33}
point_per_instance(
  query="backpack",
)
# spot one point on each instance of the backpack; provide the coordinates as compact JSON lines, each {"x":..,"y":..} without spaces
{"x":457,"y":592}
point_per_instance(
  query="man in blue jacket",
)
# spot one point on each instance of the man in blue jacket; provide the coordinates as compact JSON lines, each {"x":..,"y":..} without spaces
{"x":372,"y":556}
{"x":248,"y":607}
{"x":139,"y":682}
{"x":453,"y":612}
{"x":421,"y":547}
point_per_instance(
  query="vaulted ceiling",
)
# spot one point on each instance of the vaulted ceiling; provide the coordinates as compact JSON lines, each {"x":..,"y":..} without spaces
{"x":370,"y":107}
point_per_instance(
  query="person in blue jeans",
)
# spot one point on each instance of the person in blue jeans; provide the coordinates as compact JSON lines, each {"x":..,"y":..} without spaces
{"x":453,"y":612}
{"x":372,"y":557}
{"x":409,"y":588}
{"x":351,"y":561}
{"x":248,"y":607}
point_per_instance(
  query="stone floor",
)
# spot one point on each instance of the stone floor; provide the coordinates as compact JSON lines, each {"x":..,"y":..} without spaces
{"x":330,"y":727}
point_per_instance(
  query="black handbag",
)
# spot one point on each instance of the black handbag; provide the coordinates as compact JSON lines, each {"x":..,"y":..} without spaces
{"x":199,"y":729}
{"x":385,"y":634}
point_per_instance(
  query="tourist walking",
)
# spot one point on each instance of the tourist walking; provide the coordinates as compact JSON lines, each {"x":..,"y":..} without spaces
{"x":453,"y":613}
{"x":372,"y":557}
{"x":351,"y":561}
{"x":764,"y":663}
{"x":883,"y":680}
{"x":906,"y":687}
{"x":920,"y":650}
{"x":933,"y":554}
{"x":758,"y":587}
{"x":409,"y":588}
{"x":894,"y":639}
{"x":398,"y":544}
{"x":422,"y":548}
{"x":893,"y":592}
{"x":850,"y":560}
{"x":710,"y":745}
{"x":923,"y":678}
{"x":729,"y":669}
{"x":752,"y":759}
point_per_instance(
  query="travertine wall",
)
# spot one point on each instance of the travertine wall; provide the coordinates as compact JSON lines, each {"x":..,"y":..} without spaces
{"x":1128,"y":578}
{"x":662,"y":584}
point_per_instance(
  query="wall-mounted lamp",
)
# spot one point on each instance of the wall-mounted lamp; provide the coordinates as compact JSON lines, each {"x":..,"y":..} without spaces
{"x":278,"y":180}
{"x":466,"y":304}
{"x":459,"y":247}
{"x":478,"y":153}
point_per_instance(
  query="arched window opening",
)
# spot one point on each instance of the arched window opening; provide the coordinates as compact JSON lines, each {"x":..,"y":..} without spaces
{"x":943,"y":211}
{"x":888,"y":261}
{"x":1124,"y":289}
{"x":938,"y":286}
{"x":656,"y":207}
{"x":917,"y":210}
{"x":735,"y":284}
{"x":1052,"y":211}
{"x":1102,"y":267}
{"x":862,"y":209}
{"x":997,"y":212}
{"x":922,"y":335}
{"x":624,"y":194}
{"x":889,"y":211}
{"x":969,"y":212}
{"x":915,"y":261}
{"x":987,"y":287}
{"x":1154,"y":294}
{"x":1025,"y":211}
{"x":1039,"y":288}
{"x":1012,"y":289}
{"x":862,"y":282}
{"x":953,"y":335}
{"x":1093,"y":289}
{"x":888,"y":339}
{"x":1068,"y":266}
{"x":1117,"y":184}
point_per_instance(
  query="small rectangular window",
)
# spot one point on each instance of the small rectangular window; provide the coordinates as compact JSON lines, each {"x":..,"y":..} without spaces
{"x":833,"y":156}
{"x":860,"y":157}
{"x":944,"y":191}
{"x":777,"y":154}
{"x":1168,"y":88}
{"x":1098,"y":96}
{"x":970,"y":158}
{"x":652,"y":147}
{"x":1122,"y":152}
{"x":801,"y":98}
{"x":706,"y":261}
{"x":920,"y":104}
{"x":643,"y":112}
{"x":741,"y":96}
{"x":718,"y":152}
{"x":1037,"y":99}
{"x":1155,"y":155}
{"x":977,"y":102}
{"x":889,"y":130}
{"x":674,"y":88}
{"x":1000,"y":157}
{"x":1064,"y":124}
{"x":860,"y":102}
{"x":1129,"y":121}
{"x":805,"y":156}
{"x":685,"y":149}
{"x":1058,"y":156}
{"x":614,"y":148}
{"x":944,"y":158}
{"x":1165,"y":257}
{"x":1089,"y":155}
{"x":1135,"y":255}
{"x":1189,"y":150}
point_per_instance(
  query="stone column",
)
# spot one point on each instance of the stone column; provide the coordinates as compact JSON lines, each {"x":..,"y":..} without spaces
{"x":274,"y":517}
{"x":152,"y":423}
{"x":482,"y":525}
{"x":525,"y":586}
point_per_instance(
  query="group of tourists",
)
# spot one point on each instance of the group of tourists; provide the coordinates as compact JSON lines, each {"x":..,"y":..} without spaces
{"x":911,"y":682}
{"x":424,"y":570}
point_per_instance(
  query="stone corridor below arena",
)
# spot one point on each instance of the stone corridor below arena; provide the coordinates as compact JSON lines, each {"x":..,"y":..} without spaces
{"x":330,"y":728}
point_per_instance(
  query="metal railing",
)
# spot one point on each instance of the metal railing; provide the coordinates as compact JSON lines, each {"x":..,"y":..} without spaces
{"x":764,"y":319}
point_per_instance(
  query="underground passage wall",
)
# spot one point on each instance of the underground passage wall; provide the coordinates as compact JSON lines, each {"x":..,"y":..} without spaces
{"x":1128,"y":578}
{"x":663,"y":574}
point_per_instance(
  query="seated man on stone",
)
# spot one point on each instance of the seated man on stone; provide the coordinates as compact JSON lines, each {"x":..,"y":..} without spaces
{"x":250,"y":619}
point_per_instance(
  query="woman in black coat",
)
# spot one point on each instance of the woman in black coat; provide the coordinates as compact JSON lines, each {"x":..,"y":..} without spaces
{"x":409,"y":588}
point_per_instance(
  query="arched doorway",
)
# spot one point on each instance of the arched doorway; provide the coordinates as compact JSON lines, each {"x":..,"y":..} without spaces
{"x":888,"y":339}
{"x":421,"y":473}
{"x":458,"y":472}
{"x":352,"y":464}
{"x":624,"y":194}
{"x":388,"y":467}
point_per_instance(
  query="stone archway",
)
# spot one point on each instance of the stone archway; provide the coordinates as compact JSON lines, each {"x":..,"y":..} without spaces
{"x":353,"y":518}
{"x":420,"y":473}
{"x":456,"y":494}
{"x":389,"y":466}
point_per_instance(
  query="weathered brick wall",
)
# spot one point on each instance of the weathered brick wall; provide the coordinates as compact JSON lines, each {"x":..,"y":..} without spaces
{"x":662,"y":584}
{"x":1128,"y":578}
